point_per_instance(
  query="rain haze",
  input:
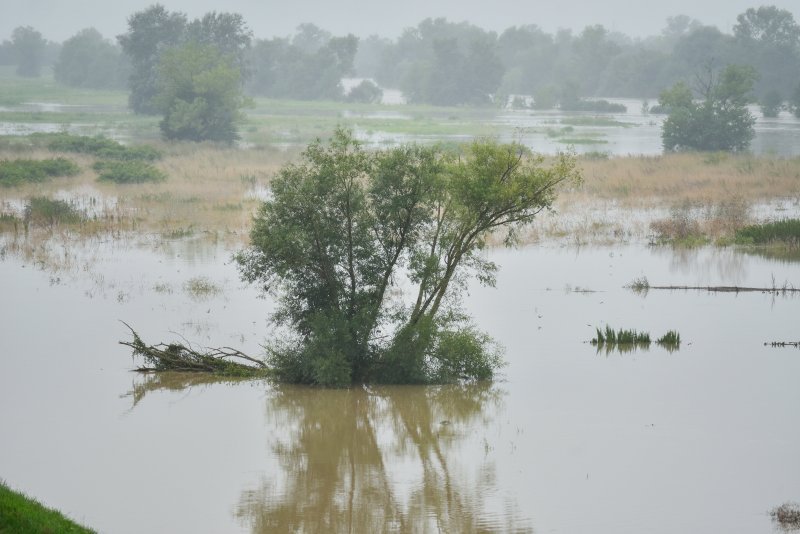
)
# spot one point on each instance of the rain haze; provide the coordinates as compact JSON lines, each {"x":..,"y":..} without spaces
{"x":59,"y":20}
{"x":408,"y":266}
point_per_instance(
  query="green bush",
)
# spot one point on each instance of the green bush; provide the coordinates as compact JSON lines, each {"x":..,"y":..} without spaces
{"x":128,"y":172}
{"x":100,"y":146}
{"x":26,"y":171}
{"x":785,"y":231}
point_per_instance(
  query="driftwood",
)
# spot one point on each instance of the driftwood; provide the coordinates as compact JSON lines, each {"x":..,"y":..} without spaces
{"x":732,"y":289}
{"x":185,"y":358}
{"x":795,"y":344}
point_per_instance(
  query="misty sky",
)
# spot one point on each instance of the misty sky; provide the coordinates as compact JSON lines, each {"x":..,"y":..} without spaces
{"x":59,"y":19}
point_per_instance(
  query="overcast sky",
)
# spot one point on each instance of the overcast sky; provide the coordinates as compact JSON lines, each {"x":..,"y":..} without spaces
{"x":59,"y":19}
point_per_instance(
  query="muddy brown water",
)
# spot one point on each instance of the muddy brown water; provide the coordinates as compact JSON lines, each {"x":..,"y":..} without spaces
{"x":567,"y":440}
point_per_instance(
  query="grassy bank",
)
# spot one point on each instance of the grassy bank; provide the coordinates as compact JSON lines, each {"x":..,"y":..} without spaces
{"x":20,"y":514}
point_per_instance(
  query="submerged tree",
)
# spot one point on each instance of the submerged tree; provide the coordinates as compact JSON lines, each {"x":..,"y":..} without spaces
{"x":347,"y":233}
{"x":721,"y":121}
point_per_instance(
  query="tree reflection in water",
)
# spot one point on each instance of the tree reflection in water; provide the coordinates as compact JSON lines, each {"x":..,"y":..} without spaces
{"x":382,"y":459}
{"x":377,"y":459}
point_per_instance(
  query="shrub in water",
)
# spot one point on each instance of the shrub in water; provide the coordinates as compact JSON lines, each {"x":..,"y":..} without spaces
{"x":128,"y":172}
{"x":49,"y":212}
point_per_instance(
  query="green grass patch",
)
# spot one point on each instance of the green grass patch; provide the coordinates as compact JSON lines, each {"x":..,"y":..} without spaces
{"x":128,"y":172}
{"x":49,"y":212}
{"x":19,"y":514}
{"x":785,"y":232}
{"x":30,"y":171}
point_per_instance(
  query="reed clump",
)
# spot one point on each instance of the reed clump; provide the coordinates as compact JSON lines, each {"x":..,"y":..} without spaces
{"x":784,"y":232}
{"x":625,"y":340}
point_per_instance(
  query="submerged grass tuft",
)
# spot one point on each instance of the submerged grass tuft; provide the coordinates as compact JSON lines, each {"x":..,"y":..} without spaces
{"x":670,"y":341}
{"x":201,"y":287}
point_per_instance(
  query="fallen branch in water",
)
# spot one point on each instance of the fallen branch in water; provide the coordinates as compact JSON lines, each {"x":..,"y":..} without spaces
{"x":179,"y":357}
{"x":795,"y":344}
{"x":642,"y":285}
{"x":732,"y":289}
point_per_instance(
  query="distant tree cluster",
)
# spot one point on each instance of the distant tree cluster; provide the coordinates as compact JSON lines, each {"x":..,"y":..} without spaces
{"x":428,"y":60}
{"x":89,"y":60}
{"x":307,"y":66}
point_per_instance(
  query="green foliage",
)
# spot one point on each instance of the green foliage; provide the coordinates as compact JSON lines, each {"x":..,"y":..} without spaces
{"x":199,"y":93}
{"x":620,"y":337}
{"x":99,"y":146}
{"x":720,"y":122}
{"x":88,"y":60}
{"x":366,"y":93}
{"x":44,"y":211}
{"x":127,"y":172}
{"x":29,"y":48}
{"x":155,"y":31}
{"x":545,"y":97}
{"x":20,"y":514}
{"x":25,"y":171}
{"x":343,"y":224}
{"x":786,"y":231}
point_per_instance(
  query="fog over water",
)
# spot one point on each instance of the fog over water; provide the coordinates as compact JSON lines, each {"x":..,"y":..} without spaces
{"x":58,"y":20}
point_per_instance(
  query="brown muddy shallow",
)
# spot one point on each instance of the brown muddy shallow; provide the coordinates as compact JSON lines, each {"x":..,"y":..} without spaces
{"x":568,"y":440}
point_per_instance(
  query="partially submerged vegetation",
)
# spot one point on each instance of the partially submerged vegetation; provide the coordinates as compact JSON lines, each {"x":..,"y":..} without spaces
{"x":20,"y":514}
{"x":787,"y":516}
{"x":47,"y":212}
{"x":626,"y":340}
{"x":785,"y":232}
{"x":223,"y":361}
{"x":642,"y":286}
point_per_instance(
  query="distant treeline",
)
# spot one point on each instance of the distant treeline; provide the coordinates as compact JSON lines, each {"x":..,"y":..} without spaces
{"x":436,"y":62}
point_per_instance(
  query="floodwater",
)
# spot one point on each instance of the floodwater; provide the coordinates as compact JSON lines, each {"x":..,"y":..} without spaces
{"x":567,"y":440}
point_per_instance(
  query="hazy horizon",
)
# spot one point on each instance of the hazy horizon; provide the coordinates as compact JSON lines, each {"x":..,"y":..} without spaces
{"x":58,"y":21}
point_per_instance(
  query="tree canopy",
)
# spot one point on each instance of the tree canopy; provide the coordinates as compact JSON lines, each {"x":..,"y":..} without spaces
{"x":155,"y":30}
{"x":720,"y":121}
{"x":199,"y":93}
{"x":367,"y":253}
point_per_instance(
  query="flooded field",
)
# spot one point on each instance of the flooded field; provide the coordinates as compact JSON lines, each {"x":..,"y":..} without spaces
{"x":570,"y":439}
